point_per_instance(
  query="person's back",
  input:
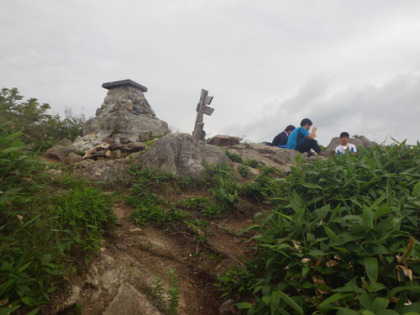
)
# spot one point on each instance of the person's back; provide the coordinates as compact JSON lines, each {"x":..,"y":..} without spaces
{"x":292,"y":142}
{"x":281,"y":138}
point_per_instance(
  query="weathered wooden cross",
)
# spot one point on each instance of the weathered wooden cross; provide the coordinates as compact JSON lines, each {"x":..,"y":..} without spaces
{"x":202,"y":109}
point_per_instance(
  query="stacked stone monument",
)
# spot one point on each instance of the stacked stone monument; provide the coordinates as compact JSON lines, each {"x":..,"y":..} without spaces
{"x":125,"y":117}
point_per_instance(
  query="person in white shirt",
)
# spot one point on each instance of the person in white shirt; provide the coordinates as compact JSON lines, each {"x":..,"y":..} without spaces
{"x":345,"y":145}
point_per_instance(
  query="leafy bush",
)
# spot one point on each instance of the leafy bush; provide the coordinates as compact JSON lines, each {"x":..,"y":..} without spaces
{"x":265,"y":186}
{"x":224,"y":188}
{"x":342,"y":238}
{"x":40,"y":233}
{"x":39,"y":130}
{"x":244,"y":171}
{"x":252,"y":163}
{"x":234,"y":157}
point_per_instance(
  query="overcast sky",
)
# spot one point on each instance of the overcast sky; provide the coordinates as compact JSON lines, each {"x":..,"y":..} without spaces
{"x":348,"y":65}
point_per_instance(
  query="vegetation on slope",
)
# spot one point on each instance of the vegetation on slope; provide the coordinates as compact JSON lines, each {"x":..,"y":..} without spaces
{"x":342,"y":238}
{"x":341,"y":235}
{"x":47,"y":227}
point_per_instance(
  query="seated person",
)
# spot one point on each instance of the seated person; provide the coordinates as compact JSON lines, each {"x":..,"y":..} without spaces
{"x":281,"y":139}
{"x":345,"y":145}
{"x":301,"y":140}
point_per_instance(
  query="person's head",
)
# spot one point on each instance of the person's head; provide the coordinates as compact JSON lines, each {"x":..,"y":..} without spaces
{"x":344,"y":138}
{"x":289,"y":128}
{"x":306,"y":123}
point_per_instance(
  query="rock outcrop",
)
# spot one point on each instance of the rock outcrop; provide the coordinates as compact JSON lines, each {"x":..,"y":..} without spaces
{"x":181,"y":154}
{"x":266,"y":155}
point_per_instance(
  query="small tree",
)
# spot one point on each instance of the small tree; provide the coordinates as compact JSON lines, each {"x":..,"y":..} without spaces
{"x":40,"y":130}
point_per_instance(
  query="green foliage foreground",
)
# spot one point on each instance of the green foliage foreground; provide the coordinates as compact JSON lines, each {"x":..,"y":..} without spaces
{"x":342,"y":239}
{"x":47,"y":228}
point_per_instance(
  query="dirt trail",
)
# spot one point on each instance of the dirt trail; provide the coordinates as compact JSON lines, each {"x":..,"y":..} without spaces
{"x":141,"y":255}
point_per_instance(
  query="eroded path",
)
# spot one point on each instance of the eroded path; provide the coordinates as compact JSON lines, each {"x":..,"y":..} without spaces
{"x":132,"y":273}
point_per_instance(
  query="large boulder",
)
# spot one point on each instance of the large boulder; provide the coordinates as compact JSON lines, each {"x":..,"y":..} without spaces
{"x":359,"y":142}
{"x":181,"y":154}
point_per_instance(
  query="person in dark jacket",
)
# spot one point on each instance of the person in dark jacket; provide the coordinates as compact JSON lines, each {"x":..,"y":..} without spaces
{"x":281,"y":138}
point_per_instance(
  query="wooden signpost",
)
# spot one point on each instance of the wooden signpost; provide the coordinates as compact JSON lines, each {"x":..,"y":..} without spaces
{"x":202,"y":109}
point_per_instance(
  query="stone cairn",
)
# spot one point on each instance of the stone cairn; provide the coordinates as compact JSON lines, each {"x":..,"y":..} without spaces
{"x":122,"y":124}
{"x":125,"y":95}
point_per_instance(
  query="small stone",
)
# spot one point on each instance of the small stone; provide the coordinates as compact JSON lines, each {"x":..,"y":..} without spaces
{"x":108,"y":140}
{"x":227,"y":308}
{"x":121,"y":246}
{"x":116,"y":154}
{"x":73,"y":158}
{"x":124,"y":141}
{"x":136,"y":231}
{"x":135,"y":147}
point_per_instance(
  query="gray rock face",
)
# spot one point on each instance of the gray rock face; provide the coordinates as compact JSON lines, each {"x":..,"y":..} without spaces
{"x":109,"y":174}
{"x":130,"y":301}
{"x":266,"y":155}
{"x":181,"y":154}
{"x":359,"y":142}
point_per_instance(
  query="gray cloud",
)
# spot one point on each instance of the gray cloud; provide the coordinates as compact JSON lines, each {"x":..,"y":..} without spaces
{"x":379,"y":113}
{"x":266,"y":63}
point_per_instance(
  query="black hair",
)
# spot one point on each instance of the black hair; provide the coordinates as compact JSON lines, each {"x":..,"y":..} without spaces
{"x":305,"y":121}
{"x":290,"y":128}
{"x":344,"y":134}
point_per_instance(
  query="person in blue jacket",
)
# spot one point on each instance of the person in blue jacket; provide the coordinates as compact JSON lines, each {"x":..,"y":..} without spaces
{"x":302,"y":140}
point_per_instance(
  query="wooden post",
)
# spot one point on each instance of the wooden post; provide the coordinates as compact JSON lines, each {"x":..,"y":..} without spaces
{"x":202,"y":109}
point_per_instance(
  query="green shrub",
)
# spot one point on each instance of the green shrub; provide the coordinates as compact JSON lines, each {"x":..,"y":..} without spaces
{"x":234,"y":157}
{"x":39,"y":130}
{"x":252,"y":163}
{"x":244,"y":171}
{"x":342,"y":238}
{"x":224,"y":189}
{"x":41,"y":233}
{"x":265,"y":186}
